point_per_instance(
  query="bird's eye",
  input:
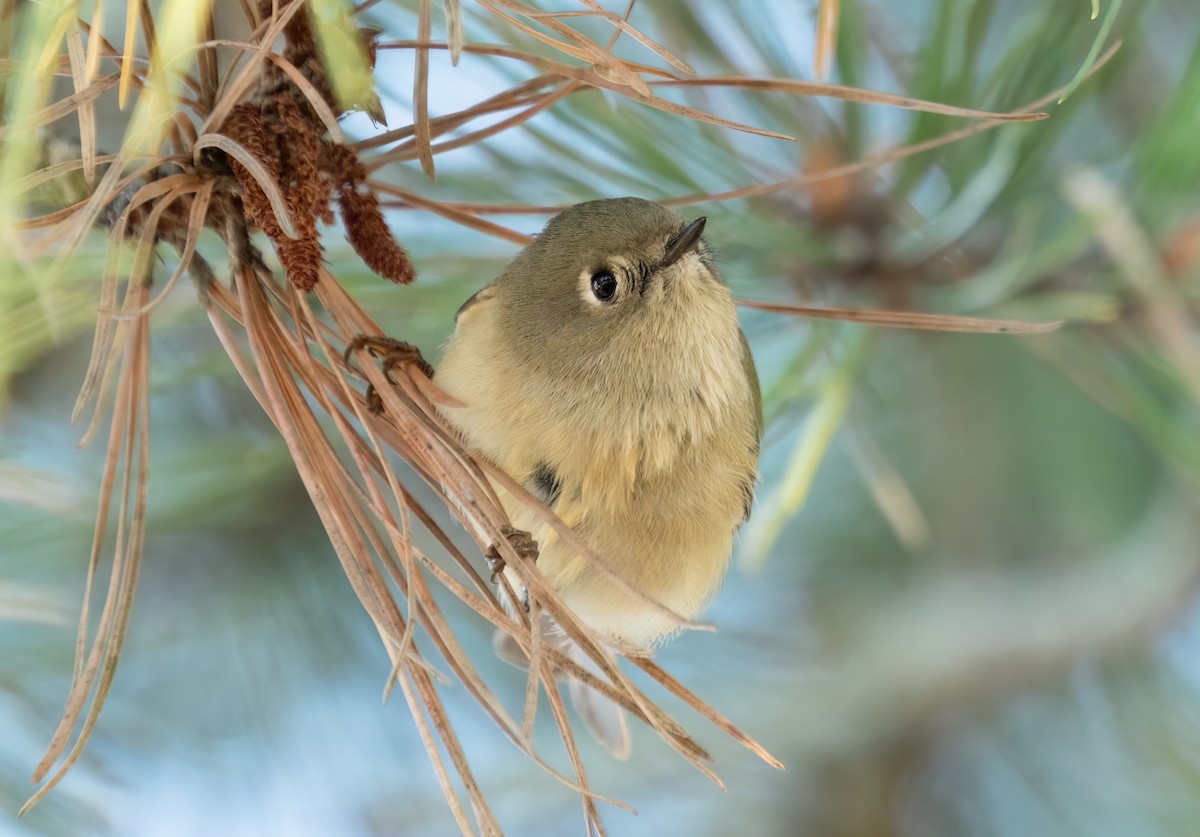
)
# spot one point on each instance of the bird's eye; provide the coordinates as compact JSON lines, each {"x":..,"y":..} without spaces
{"x":604,"y":285}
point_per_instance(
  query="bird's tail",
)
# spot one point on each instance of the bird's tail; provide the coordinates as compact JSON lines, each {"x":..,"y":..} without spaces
{"x":604,"y":719}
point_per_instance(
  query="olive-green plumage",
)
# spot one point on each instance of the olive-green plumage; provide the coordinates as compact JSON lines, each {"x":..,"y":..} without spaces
{"x":606,"y":371}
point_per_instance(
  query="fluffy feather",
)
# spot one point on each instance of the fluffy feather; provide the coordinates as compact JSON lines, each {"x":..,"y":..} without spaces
{"x":644,"y":410}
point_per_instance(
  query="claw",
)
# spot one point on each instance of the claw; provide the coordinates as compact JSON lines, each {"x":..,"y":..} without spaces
{"x":391,"y":353}
{"x":522,"y":542}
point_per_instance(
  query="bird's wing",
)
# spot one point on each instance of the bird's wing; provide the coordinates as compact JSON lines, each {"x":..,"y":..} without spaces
{"x":752,"y":377}
{"x":484,"y":294}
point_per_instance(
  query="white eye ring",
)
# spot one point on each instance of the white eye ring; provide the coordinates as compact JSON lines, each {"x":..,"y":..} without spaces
{"x":600,"y":288}
{"x":618,"y":268}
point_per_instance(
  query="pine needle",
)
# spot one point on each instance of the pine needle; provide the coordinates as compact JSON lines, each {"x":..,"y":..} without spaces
{"x":908,"y":319}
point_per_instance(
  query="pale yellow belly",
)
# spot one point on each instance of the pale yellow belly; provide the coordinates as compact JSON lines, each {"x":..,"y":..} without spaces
{"x":680,"y":567}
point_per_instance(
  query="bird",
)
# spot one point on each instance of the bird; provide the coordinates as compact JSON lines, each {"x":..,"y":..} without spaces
{"x":605,"y":371}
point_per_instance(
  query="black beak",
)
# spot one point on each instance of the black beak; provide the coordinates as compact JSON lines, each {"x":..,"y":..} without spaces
{"x":682,"y":242}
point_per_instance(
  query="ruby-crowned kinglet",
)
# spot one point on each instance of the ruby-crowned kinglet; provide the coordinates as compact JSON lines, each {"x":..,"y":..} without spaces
{"x":605,"y":370}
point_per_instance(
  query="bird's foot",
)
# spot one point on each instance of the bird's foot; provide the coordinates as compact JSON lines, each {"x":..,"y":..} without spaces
{"x":391,"y":353}
{"x":522,"y":542}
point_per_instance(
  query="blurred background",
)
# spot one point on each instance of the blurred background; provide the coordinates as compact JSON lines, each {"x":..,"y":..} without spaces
{"x":966,"y":601}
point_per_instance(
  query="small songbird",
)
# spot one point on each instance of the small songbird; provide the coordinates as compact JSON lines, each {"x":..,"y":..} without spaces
{"x":606,"y":372}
